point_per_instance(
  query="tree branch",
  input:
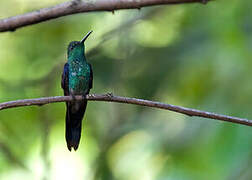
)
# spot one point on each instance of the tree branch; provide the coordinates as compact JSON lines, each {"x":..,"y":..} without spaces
{"x":111,"y":98}
{"x":78,"y":6}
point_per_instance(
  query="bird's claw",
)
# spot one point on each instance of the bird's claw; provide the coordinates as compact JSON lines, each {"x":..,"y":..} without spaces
{"x":84,"y":96}
{"x":73,"y":97}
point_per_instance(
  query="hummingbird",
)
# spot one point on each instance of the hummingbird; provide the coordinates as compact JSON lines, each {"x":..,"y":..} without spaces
{"x":77,"y":79}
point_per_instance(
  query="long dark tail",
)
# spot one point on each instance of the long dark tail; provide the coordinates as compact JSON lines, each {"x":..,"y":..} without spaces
{"x":74,"y":115}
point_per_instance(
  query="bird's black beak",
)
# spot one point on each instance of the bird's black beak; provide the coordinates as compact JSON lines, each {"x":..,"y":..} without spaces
{"x":84,"y":39}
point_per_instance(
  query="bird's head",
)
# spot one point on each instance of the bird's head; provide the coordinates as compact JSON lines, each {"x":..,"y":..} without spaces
{"x":77,"y":47}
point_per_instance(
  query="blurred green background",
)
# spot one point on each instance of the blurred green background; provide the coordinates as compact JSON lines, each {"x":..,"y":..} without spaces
{"x":190,"y":55}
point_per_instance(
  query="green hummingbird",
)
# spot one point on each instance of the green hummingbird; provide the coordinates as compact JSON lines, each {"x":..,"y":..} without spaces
{"x":77,"y":79}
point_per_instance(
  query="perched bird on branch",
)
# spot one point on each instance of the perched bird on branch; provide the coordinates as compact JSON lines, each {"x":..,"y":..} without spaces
{"x":77,"y":79}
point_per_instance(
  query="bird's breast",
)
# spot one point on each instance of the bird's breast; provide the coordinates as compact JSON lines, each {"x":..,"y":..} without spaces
{"x":79,"y":76}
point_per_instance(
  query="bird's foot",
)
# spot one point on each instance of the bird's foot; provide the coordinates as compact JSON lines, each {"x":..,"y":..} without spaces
{"x":73,"y":97}
{"x":84,"y":96}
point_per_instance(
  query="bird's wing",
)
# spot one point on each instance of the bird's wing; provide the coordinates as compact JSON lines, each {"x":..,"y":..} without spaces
{"x":91,"y":77}
{"x":65,"y":79}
